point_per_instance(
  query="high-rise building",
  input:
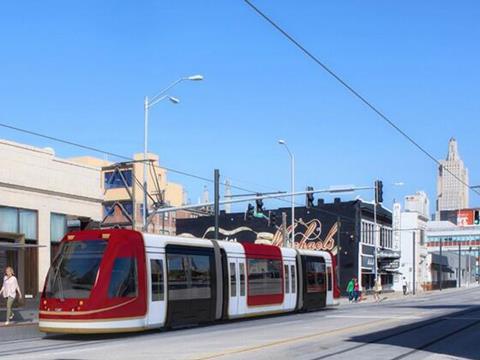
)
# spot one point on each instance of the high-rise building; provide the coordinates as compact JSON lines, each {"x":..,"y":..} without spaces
{"x":418,"y":203}
{"x":452,"y":181}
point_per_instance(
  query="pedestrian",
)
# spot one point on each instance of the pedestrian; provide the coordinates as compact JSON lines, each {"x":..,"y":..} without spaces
{"x":350,"y":289}
{"x":404,"y":285}
{"x":356,"y":290}
{"x":377,"y":289}
{"x":9,"y":290}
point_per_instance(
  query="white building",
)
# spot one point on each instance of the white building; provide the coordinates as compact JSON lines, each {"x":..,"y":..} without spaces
{"x":451,"y":241}
{"x":40,"y":197}
{"x":452,"y":193}
{"x":418,"y":203}
{"x":410,"y":229}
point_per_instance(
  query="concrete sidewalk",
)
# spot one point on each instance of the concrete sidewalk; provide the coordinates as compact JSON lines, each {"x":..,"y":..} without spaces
{"x":26,"y":314}
{"x":397,"y":295}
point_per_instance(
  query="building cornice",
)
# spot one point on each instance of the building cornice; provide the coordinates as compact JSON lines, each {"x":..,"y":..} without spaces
{"x":50,"y":192}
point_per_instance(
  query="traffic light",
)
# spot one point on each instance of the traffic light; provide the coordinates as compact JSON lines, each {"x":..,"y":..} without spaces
{"x":476,"y":219}
{"x":250,"y":212}
{"x":309,"y":197}
{"x":259,"y":205}
{"x":272,"y":218}
{"x":378,"y":191}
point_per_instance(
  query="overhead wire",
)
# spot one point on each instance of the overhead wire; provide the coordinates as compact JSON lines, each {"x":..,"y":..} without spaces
{"x":355,"y":93}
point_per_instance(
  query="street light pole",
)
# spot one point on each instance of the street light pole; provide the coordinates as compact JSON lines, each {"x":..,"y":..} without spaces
{"x":145,"y":151}
{"x":148,"y":103}
{"x":292,"y":168}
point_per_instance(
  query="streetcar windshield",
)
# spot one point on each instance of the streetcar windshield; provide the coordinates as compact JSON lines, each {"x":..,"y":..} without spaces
{"x":74,"y":271}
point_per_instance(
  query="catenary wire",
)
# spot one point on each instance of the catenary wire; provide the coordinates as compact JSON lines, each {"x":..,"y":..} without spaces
{"x":109,"y":153}
{"x":355,"y":92}
{"x":101,"y":151}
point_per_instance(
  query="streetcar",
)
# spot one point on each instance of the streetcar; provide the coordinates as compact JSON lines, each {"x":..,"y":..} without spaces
{"x":118,"y":280}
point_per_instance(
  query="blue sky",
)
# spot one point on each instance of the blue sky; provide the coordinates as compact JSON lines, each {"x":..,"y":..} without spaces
{"x":80,"y":70}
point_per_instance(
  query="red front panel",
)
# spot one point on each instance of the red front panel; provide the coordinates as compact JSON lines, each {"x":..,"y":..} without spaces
{"x":99,"y":305}
{"x":264,"y":253}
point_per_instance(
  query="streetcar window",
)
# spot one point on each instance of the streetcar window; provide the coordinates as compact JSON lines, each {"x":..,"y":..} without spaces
{"x":287,"y":280}
{"x":294,"y":283}
{"x":264,"y":277}
{"x":156,"y":267}
{"x":233,"y":280}
{"x":123,"y":281}
{"x":329,"y":278}
{"x":74,"y":270}
{"x":315,"y":275}
{"x":188,"y":277}
{"x":242,"y":279}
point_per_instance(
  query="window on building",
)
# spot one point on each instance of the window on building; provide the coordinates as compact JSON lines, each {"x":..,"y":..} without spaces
{"x":109,"y":209}
{"x":113,"y":179}
{"x":23,"y":221}
{"x":58,"y":227}
{"x":156,"y":267}
{"x":123,"y":281}
{"x":264,"y":277}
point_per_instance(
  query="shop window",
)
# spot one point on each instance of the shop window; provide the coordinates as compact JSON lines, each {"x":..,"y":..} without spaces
{"x":123,"y":281}
{"x":58,"y":227}
{"x":9,"y":219}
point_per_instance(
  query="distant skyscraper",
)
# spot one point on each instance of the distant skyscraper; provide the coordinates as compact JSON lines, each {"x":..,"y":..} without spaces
{"x":452,"y":193}
{"x":418,"y":203}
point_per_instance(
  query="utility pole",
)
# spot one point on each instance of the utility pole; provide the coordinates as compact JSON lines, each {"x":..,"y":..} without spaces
{"x":414,"y":264}
{"x":459,"y":264}
{"x":216,"y":199}
{"x":375,"y":236}
{"x":339,"y":251}
{"x":441,"y":266}
{"x":284,"y":229}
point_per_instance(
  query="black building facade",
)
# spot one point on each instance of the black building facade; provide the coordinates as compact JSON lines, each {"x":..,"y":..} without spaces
{"x":346,"y":229}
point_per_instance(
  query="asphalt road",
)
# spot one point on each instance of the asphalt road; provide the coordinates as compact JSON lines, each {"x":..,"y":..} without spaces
{"x":442,"y":325}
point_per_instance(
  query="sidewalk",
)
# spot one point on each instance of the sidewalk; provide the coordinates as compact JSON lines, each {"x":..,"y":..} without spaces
{"x":397,"y":295}
{"x":25,"y":315}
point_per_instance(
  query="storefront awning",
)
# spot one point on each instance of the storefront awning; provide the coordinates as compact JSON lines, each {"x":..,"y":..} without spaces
{"x":446,"y":269}
{"x":5,"y":245}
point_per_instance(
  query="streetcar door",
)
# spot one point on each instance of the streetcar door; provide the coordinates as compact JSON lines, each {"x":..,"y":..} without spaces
{"x":315,"y":283}
{"x":156,"y":289}
{"x":191,"y":285}
{"x":233,"y":290}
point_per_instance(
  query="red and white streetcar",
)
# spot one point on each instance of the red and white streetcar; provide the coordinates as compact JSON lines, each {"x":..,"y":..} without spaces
{"x":117,"y":280}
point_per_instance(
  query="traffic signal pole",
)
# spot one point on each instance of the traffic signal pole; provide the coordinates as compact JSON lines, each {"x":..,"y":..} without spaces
{"x":216,"y":206}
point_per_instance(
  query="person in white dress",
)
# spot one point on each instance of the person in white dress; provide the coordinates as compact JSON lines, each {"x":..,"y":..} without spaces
{"x":9,"y":291}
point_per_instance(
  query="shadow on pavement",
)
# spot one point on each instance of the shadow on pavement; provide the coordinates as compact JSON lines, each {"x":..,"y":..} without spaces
{"x":435,"y":335}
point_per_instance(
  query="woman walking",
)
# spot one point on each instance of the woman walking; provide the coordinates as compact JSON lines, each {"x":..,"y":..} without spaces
{"x":377,"y":290}
{"x":9,"y":291}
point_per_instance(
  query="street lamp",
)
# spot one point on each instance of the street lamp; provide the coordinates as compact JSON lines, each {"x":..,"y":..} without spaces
{"x":292,"y":159}
{"x":148,"y":103}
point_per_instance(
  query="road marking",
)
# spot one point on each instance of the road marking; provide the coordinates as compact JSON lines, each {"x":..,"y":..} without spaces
{"x":298,"y":339}
{"x":399,"y":317}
